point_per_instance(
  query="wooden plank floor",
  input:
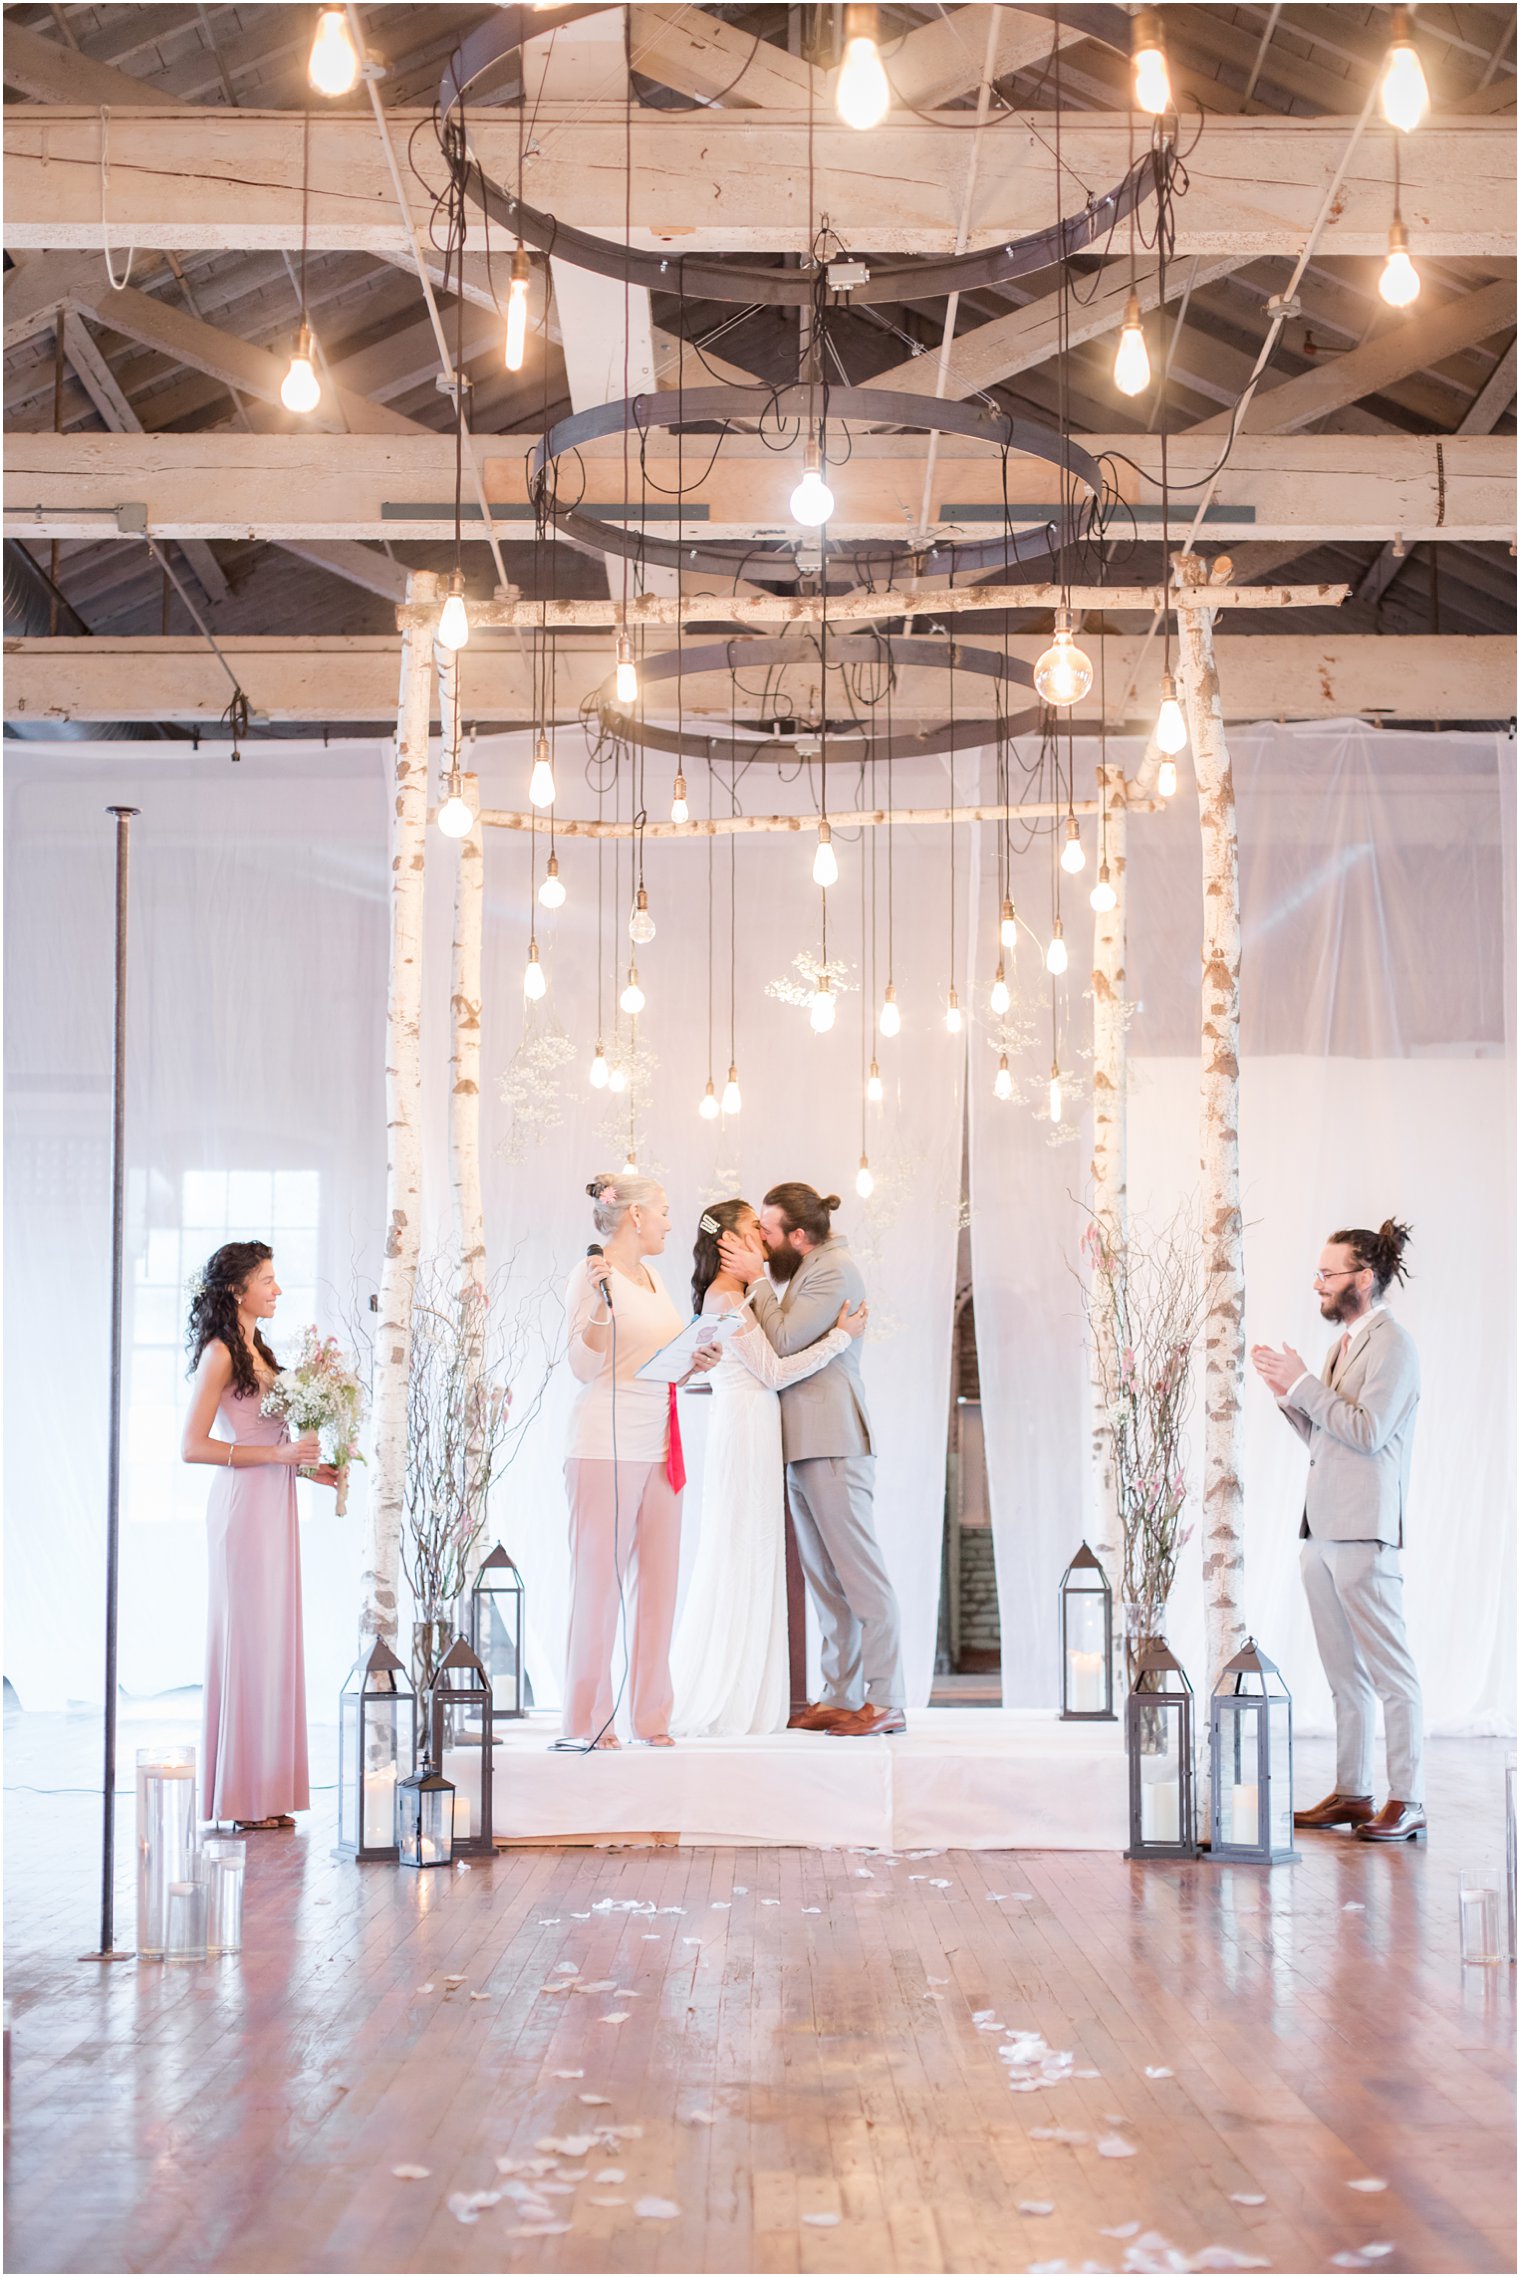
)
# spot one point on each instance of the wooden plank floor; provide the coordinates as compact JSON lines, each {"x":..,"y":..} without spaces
{"x":800,"y":2039}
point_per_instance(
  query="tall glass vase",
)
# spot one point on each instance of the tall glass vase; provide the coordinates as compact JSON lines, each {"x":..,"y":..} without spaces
{"x":166,"y":1839}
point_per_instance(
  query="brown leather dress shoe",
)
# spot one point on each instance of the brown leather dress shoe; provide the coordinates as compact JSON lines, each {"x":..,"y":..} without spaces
{"x":1336,"y":1810}
{"x":869,"y":1723}
{"x":821,"y":1716}
{"x":1395,"y":1822}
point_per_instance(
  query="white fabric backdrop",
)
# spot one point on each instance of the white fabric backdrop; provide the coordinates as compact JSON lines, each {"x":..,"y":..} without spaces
{"x":1377,"y":1079}
{"x":1379,"y":1070}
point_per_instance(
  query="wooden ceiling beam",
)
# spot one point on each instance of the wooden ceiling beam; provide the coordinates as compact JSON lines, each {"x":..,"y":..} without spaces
{"x":1408,"y":345}
{"x":48,"y":72}
{"x":1292,"y":675}
{"x":305,"y":486}
{"x":733,"y":180}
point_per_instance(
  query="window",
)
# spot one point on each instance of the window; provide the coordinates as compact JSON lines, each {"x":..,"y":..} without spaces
{"x":211,"y":1206}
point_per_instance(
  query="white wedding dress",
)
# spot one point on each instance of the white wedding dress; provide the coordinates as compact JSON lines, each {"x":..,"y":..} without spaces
{"x":730,"y":1662}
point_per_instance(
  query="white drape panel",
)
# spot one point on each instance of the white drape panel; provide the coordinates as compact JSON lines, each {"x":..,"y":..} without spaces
{"x":1377,"y":1080}
{"x":257,"y":1105}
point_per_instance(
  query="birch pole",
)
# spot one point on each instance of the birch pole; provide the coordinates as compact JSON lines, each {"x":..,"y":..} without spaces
{"x":1219,"y":1138}
{"x":464,"y":1065}
{"x":403,"y":1110}
{"x":1109,"y":1176}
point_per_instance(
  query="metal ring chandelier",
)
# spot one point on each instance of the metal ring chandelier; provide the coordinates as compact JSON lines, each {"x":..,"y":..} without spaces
{"x":878,"y":560}
{"x":494,"y":43}
{"x":893,"y":650}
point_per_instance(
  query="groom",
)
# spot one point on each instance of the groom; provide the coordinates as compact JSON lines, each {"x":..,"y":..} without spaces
{"x":830,"y":1468}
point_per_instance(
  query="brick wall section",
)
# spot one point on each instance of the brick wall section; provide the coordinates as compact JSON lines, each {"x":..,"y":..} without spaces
{"x":979,"y":1605}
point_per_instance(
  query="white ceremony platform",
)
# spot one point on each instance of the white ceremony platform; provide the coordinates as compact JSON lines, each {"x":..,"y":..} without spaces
{"x":958,"y":1778}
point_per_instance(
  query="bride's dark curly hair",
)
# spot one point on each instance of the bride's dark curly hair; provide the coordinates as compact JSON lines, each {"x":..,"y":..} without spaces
{"x":706,"y":1264}
{"x":214,"y":1311}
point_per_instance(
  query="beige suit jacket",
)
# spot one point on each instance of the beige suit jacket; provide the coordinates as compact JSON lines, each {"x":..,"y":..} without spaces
{"x":1359,"y":1429}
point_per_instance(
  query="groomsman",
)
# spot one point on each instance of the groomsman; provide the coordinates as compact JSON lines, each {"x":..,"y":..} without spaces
{"x":1357,"y":1419}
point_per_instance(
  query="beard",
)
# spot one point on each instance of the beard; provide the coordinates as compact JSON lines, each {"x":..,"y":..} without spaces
{"x":1343,"y":1307}
{"x":783,"y":1261}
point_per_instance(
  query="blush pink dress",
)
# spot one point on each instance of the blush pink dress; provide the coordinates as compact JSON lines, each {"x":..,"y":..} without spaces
{"x":253,"y":1762}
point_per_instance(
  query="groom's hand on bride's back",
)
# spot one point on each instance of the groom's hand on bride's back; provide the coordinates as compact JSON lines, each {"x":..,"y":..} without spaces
{"x":745,"y":1259}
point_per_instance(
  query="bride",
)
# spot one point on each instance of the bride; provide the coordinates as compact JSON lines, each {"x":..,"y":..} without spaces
{"x":730,"y":1662}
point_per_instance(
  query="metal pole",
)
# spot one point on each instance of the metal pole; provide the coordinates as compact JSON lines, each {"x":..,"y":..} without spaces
{"x":107,"y":1950}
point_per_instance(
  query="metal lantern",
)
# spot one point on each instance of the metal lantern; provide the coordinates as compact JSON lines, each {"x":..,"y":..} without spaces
{"x":1251,"y":1762}
{"x":425,"y":1818}
{"x":496,"y":1632}
{"x":1158,"y":1738}
{"x":462,"y":1739}
{"x":1087,"y":1642}
{"x":376,"y":1733}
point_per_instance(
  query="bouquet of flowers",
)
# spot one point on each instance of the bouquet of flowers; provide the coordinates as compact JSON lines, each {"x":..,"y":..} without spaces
{"x":322,"y":1393}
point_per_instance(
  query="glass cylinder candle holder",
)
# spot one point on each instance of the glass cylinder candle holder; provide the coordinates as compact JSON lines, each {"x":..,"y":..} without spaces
{"x":166,"y":1840}
{"x":223,"y":1861}
{"x":1481,"y":1898}
{"x":185,"y":1921}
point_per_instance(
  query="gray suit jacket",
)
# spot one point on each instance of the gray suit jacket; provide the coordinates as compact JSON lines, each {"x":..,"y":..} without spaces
{"x":824,"y":1414}
{"x":1360,"y":1435}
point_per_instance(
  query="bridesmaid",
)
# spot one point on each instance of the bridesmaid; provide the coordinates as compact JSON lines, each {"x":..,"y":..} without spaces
{"x":254,"y":1739}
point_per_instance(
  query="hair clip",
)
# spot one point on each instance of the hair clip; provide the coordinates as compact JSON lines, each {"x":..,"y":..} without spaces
{"x":709,"y":1224}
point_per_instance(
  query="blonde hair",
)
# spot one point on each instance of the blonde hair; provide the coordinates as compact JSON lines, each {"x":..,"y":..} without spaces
{"x":612,"y":1198}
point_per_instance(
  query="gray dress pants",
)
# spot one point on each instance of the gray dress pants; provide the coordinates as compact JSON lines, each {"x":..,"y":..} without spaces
{"x":1356,"y":1600}
{"x":830,"y":1497}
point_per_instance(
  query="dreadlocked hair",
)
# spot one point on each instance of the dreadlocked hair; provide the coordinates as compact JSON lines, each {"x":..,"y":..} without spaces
{"x":1382,"y":1252}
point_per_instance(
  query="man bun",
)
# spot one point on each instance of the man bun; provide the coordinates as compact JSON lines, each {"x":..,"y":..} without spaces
{"x":831,"y":1203}
{"x":1380,"y":1253}
{"x":803,"y":1209}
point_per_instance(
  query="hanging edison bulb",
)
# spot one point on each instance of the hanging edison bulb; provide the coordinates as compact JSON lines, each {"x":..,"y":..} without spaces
{"x":1405,"y":95}
{"x":874,"y":1089}
{"x":679,"y":810}
{"x":733,"y":1099}
{"x":1002,"y":1082}
{"x":517,"y":312}
{"x":599,"y":1070}
{"x":1153,"y":82}
{"x":617,"y":1077}
{"x":333,"y":65}
{"x":1166,"y":779}
{"x":1055,"y":1093}
{"x":534,"y":983}
{"x":825,"y":860}
{"x":1103,"y":897}
{"x":865,"y":1184}
{"x":456,"y":816}
{"x":552,"y":892}
{"x":1132,"y":363}
{"x":1055,"y":955}
{"x":1399,"y":283}
{"x":707,"y":1105}
{"x":1073,"y":853}
{"x":300,"y":389}
{"x":630,"y":1164}
{"x":823,"y":1007}
{"x":1008,"y":927}
{"x":454,"y":624}
{"x":1171,"y":726}
{"x":812,"y":502}
{"x":890,"y":1022}
{"x":862,"y":95}
{"x":632,"y":998}
{"x":1064,"y":673}
{"x":640,"y":922}
{"x":953,"y":1020}
{"x":626,"y":678}
{"x":541,"y":781}
{"x":1001,"y":996}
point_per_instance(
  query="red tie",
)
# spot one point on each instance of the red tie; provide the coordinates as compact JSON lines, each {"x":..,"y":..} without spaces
{"x":675,"y":1461}
{"x":1340,"y":1358}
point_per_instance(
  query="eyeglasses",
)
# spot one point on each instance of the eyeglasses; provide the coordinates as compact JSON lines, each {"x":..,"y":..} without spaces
{"x":1347,"y":1273}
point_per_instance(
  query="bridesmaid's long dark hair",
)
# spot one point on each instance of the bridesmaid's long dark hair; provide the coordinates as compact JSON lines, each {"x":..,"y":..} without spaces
{"x":214,"y":1311}
{"x":706,"y":1264}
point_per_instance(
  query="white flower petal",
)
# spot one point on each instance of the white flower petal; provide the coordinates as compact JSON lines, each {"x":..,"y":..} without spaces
{"x":657,"y":2209}
{"x":822,"y":2221}
{"x":1114,"y":2146}
{"x":1367,"y":2182}
{"x":411,"y":2173}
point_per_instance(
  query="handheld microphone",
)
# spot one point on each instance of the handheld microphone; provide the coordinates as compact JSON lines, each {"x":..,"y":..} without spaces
{"x":594,"y":1249}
